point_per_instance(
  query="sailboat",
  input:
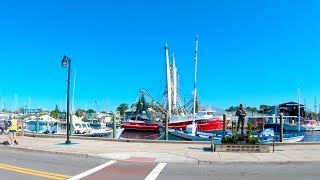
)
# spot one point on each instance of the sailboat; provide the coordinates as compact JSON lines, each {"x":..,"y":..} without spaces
{"x":200,"y":121}
{"x":205,"y":120}
{"x":305,"y":125}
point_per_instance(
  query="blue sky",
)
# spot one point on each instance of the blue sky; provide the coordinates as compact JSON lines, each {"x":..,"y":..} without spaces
{"x":250,"y":52}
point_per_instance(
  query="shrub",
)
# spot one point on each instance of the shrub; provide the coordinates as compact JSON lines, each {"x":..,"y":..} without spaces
{"x":229,"y":140}
{"x":225,"y":139}
{"x":234,"y":139}
{"x":248,"y":133}
{"x":252,"y":140}
{"x":234,"y":126}
{"x":249,"y":124}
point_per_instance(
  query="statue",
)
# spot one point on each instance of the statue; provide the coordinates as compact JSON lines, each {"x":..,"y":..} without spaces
{"x":241,"y":113}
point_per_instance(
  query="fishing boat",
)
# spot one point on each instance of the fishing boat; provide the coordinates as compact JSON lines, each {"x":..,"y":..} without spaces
{"x":178,"y":118}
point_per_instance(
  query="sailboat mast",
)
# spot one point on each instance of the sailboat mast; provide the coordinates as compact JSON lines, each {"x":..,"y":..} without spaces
{"x":195,"y":81}
{"x":16,"y":102}
{"x":315,"y":108}
{"x":1,"y":103}
{"x":168,"y":79}
{"x":174,"y":69}
{"x":299,"y":106}
{"x":107,"y":105}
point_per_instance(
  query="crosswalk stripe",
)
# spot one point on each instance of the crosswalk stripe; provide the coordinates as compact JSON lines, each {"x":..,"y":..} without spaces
{"x":156,"y":171}
{"x":86,"y":173}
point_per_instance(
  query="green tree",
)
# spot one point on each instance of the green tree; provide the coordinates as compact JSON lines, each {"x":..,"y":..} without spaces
{"x":264,"y":108}
{"x":55,"y":113}
{"x":122,"y":107}
{"x":90,"y":111}
{"x":232,"y":108}
{"x":57,"y":109}
{"x":252,"y":109}
{"x":79,"y":112}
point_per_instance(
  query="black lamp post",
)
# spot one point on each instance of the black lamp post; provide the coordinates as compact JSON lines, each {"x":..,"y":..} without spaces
{"x":67,"y":62}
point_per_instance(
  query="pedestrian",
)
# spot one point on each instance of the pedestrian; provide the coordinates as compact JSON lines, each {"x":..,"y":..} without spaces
{"x":13,"y":131}
{"x":6,"y":127}
{"x":2,"y":128}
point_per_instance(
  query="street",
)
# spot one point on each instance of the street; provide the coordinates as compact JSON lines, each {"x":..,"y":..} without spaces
{"x":18,"y":164}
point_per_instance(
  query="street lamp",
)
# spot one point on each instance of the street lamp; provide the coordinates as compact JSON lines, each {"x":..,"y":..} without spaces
{"x":64,"y":63}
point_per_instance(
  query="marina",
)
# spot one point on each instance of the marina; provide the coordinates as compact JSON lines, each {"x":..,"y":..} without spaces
{"x":309,"y":136}
{"x":159,"y":90}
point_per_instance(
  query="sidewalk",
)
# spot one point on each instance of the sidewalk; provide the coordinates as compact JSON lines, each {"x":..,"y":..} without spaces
{"x":189,"y":152}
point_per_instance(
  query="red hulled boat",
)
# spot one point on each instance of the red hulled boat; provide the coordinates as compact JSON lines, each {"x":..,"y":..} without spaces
{"x":205,"y":120}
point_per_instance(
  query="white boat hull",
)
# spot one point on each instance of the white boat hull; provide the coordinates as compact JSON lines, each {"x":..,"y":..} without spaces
{"x":102,"y":133}
{"x":181,"y":135}
{"x":295,"y":127}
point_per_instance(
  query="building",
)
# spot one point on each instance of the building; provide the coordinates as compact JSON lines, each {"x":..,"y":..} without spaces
{"x":288,"y":109}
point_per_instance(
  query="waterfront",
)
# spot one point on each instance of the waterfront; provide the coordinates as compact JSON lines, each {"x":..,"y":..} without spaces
{"x":310,"y":136}
{"x":140,"y":134}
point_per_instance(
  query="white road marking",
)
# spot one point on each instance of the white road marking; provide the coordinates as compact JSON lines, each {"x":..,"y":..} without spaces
{"x":156,"y":171}
{"x":86,"y":173}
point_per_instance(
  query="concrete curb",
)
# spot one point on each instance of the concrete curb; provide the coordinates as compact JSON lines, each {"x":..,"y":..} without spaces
{"x":296,"y":143}
{"x":50,"y":152}
{"x":256,"y":162}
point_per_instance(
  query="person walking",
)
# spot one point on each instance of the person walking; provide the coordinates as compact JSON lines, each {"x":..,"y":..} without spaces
{"x":13,"y":131}
{"x":2,"y":127}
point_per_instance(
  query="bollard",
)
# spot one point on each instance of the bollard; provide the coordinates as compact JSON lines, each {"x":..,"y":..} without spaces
{"x":224,"y":121}
{"x":212,"y":142}
{"x":114,"y":125}
{"x":273,"y":144}
{"x":166,"y":126}
{"x":281,"y":127}
{"x":71,"y":126}
{"x":37,"y":124}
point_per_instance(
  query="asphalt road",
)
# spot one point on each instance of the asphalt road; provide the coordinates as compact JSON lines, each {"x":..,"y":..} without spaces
{"x":53,"y":163}
{"x":241,"y":171}
{"x":18,"y":164}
